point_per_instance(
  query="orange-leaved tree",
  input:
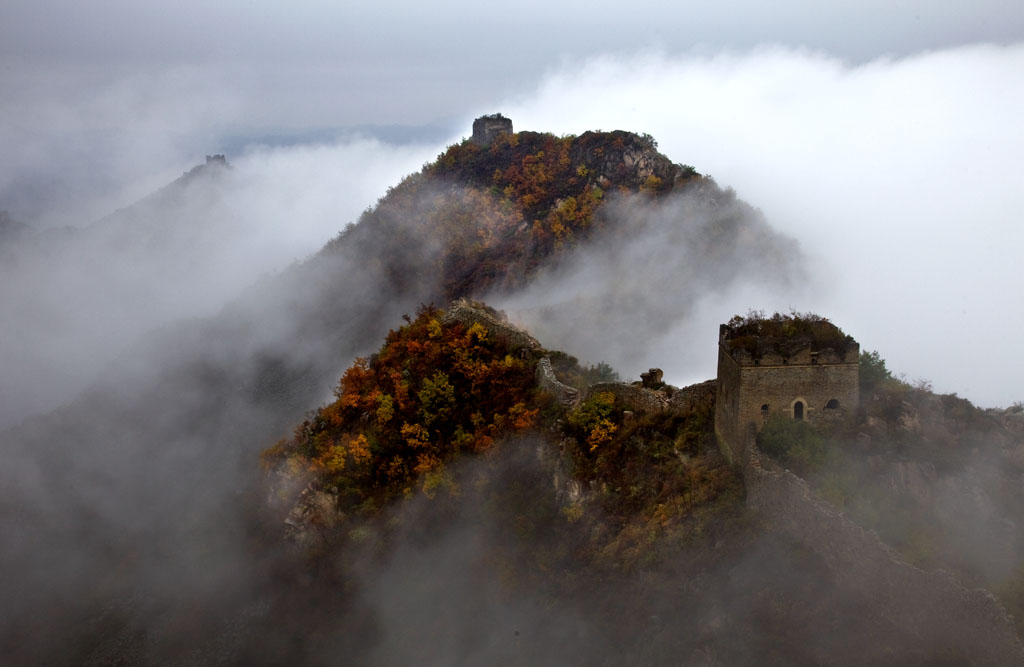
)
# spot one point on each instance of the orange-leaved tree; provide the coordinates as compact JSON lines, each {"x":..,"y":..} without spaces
{"x":432,"y":391}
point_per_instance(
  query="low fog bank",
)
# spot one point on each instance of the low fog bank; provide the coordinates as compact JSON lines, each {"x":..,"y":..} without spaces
{"x":497,"y":574}
{"x":136,"y":508}
{"x":131,"y":516}
{"x":900,"y":178}
{"x":76,"y":298}
{"x":82,"y":139}
{"x":938,"y":479}
{"x":637,"y":297}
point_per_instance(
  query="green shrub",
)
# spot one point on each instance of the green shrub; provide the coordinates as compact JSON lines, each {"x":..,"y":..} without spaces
{"x":794,"y":443}
{"x":872,"y":370}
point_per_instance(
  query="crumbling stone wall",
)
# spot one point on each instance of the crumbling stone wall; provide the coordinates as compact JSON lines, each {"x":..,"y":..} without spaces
{"x":694,"y":398}
{"x":498,"y":329}
{"x":631,"y":396}
{"x":642,"y":397}
{"x":930,"y":605}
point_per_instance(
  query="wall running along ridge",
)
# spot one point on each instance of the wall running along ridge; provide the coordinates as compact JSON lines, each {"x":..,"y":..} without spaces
{"x":930,"y":605}
{"x":694,"y":398}
{"x":498,"y":329}
{"x":630,"y":396}
{"x":546,"y":380}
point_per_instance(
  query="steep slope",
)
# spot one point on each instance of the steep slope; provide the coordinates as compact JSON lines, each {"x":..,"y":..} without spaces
{"x":134,"y":506}
{"x":938,"y":478}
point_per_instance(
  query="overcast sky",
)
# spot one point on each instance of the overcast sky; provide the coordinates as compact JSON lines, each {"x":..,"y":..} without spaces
{"x":885,"y":136}
{"x":340,"y":63}
{"x":110,"y":94}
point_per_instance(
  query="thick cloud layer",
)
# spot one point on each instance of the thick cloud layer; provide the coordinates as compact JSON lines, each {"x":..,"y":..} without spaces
{"x":131,"y":516}
{"x":105,"y":96}
{"x":899,"y":178}
{"x":633,"y":296}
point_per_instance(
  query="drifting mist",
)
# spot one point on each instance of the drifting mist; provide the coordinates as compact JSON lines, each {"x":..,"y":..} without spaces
{"x":175,"y":339}
{"x":900,"y":179}
{"x":76,"y":298}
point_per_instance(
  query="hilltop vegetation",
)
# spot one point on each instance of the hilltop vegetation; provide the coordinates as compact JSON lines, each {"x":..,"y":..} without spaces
{"x":431,"y":392}
{"x":492,"y":215}
{"x":757,"y":333}
{"x":440,"y":391}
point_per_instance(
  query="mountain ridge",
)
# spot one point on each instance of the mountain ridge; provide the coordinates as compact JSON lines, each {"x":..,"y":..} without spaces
{"x":143,"y":494}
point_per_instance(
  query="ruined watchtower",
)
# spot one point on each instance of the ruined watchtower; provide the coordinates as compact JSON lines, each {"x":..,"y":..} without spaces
{"x":486,"y":128}
{"x":801,"y":366}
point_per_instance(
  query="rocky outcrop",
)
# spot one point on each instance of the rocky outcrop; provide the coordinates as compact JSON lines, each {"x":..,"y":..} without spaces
{"x":652,"y":379}
{"x":1011,"y":420}
{"x":312,"y":517}
{"x":624,"y":158}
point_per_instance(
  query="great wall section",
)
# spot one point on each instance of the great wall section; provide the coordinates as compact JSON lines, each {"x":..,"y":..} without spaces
{"x":932,"y":606}
{"x":929,"y":605}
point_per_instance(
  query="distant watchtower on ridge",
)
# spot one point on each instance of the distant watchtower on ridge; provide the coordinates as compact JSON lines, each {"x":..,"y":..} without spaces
{"x":487,"y":128}
{"x":804,"y":367}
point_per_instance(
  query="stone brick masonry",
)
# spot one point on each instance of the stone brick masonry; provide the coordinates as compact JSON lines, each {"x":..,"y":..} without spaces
{"x":813,"y":386}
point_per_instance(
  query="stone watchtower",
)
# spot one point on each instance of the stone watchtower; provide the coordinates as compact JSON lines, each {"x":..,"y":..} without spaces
{"x":803,"y":367}
{"x":487,"y":128}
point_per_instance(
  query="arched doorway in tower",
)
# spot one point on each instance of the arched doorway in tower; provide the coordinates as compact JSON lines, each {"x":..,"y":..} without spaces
{"x":798,"y":411}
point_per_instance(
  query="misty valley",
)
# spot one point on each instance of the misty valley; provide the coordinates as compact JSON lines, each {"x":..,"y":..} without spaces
{"x":430,"y":442}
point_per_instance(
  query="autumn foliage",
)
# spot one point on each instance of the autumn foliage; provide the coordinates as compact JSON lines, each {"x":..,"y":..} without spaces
{"x":537,"y":195}
{"x":432,"y":391}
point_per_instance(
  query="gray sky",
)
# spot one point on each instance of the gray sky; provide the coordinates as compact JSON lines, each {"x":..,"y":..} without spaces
{"x":885,"y":136}
{"x":338,"y":63}
{"x":115,"y":94}
{"x":902,"y":179}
